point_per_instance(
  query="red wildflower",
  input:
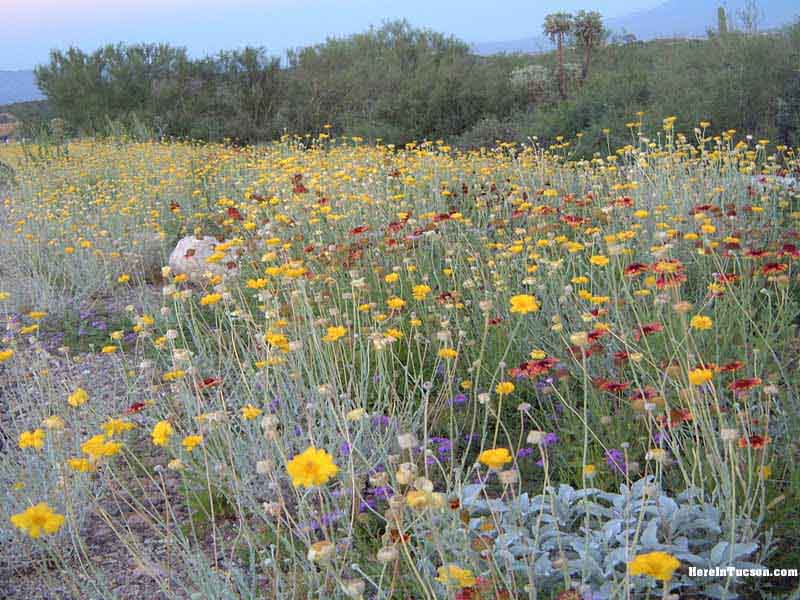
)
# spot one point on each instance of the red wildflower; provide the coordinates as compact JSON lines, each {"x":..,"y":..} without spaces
{"x":741,"y":385}
{"x":395,"y":226}
{"x":534,"y":368}
{"x":626,"y":201}
{"x":573,"y":220}
{"x":597,"y":334}
{"x":210,"y":382}
{"x":775,"y":268}
{"x":757,"y":442}
{"x":299,"y":188}
{"x":612,"y":387}
{"x":359,"y":230}
{"x":731,"y":366}
{"x":634,"y":269}
{"x":648,"y":329}
{"x":757,"y":253}
{"x":234,"y":213}
{"x":134,"y":408}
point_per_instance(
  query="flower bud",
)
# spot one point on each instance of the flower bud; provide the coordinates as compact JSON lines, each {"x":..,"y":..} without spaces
{"x":536,"y":438}
{"x":387,"y":554}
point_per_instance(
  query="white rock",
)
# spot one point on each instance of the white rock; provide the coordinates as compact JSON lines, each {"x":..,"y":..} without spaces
{"x":191,"y":254}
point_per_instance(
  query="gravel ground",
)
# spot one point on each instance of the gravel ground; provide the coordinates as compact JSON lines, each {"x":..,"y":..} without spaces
{"x":125,"y":577}
{"x":25,"y":576}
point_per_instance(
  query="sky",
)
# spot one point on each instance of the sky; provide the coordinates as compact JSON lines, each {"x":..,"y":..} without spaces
{"x":33,"y":27}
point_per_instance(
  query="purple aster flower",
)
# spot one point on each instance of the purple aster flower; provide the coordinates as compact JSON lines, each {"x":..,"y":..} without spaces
{"x":551,"y":439}
{"x":384,"y":492}
{"x":616,"y":460}
{"x":524,"y":452}
{"x":380,"y":421}
{"x":459,"y":400}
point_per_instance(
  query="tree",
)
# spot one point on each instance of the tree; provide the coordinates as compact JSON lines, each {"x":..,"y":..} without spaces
{"x":558,"y":27}
{"x":588,"y":29}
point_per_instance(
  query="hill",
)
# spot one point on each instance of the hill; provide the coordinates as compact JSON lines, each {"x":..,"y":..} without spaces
{"x":18,"y":86}
{"x":673,"y":18}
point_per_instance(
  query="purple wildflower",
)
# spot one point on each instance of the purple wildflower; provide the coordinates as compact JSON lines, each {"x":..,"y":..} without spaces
{"x":616,"y":460}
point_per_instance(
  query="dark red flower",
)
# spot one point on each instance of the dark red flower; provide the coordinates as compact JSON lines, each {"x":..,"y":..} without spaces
{"x":210,"y":382}
{"x":134,"y":408}
{"x":534,"y":368}
{"x":757,"y":253}
{"x":741,"y":385}
{"x":597,"y":334}
{"x":622,"y":356}
{"x":612,"y":387}
{"x":756,"y":442}
{"x":648,"y":329}
{"x":731,"y":366}
{"x":626,"y":201}
{"x":359,"y":230}
{"x":775,"y":268}
{"x":573,"y":220}
{"x":634,"y":269}
{"x":234,"y":213}
{"x":467,"y":593}
{"x":395,"y":226}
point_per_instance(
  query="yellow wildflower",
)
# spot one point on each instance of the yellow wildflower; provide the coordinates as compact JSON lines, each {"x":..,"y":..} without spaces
{"x":311,"y":468}
{"x":37,"y":519}
{"x":659,"y":565}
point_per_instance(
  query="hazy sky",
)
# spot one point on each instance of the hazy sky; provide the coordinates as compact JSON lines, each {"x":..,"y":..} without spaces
{"x":32,"y":27}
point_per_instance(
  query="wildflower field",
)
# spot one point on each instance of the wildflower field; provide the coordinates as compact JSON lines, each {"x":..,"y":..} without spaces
{"x":401,"y":372}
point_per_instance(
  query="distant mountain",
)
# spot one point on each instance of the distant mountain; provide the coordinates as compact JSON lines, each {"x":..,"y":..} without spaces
{"x":18,"y":86}
{"x":673,"y":18}
{"x":695,"y":17}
